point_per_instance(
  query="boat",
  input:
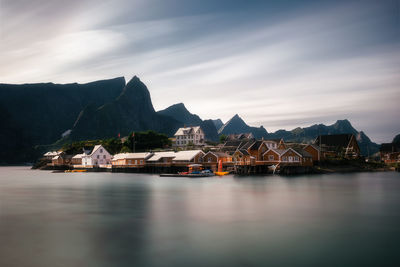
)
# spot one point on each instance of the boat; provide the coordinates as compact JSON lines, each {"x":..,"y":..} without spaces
{"x":195,"y":171}
{"x":76,"y":171}
{"x":220,"y":172}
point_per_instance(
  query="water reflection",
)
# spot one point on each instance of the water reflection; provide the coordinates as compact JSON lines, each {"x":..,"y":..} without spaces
{"x":102,"y":219}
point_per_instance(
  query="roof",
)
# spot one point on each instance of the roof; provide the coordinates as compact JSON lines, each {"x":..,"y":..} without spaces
{"x":144,"y":155}
{"x":246,"y":145}
{"x":272,"y":140}
{"x":243,"y":151}
{"x":240,"y":136}
{"x":79,"y":156}
{"x":187,"y":155}
{"x":313,"y":146}
{"x":277,"y":151}
{"x":389,"y":148}
{"x":187,"y":130}
{"x":302,"y":152}
{"x":52,"y":153}
{"x":256,"y":145}
{"x":159,"y":155}
{"x":95,"y":148}
{"x":219,"y":154}
{"x":334,"y":140}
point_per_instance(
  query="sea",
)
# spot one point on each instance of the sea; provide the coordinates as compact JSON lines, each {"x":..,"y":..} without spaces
{"x":124,"y":219}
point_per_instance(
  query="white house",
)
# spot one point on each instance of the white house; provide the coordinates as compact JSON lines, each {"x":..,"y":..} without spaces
{"x":189,"y":135}
{"x":98,"y":156}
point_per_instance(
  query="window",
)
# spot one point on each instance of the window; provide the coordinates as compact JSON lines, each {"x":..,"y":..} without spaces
{"x":141,"y":161}
{"x":290,"y":158}
{"x":135,"y":161}
{"x":101,"y":150}
{"x":296,"y":158}
{"x":98,"y":156}
{"x":284,"y":158}
{"x":104,"y":156}
{"x":209,"y":159}
{"x":271,"y":157}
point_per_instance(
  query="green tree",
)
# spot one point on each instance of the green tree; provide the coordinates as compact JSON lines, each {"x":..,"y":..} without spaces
{"x":222,"y":138}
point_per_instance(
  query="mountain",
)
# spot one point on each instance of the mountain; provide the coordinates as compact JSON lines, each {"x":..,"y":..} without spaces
{"x":236,"y":125}
{"x":38,"y":114}
{"x":131,"y":111}
{"x":308,"y":135}
{"x":396,"y":139}
{"x":181,"y":114}
{"x":218,"y":123}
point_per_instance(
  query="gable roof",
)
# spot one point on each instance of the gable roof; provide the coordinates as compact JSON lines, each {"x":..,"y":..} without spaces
{"x":246,"y":145}
{"x":187,"y":155}
{"x":313,"y":146}
{"x":187,"y":130}
{"x":218,"y":154}
{"x":78,"y":156}
{"x":96,"y":147}
{"x":144,"y":155}
{"x":256,"y":145}
{"x":243,"y":151}
{"x":302,"y":152}
{"x":159,"y":155}
{"x":277,"y":151}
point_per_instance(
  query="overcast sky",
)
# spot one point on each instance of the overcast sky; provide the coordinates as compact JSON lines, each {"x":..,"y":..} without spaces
{"x":280,"y":64}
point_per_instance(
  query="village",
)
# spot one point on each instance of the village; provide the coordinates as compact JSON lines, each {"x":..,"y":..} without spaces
{"x":238,"y":154}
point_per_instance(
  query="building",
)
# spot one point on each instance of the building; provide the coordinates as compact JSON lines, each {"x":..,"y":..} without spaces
{"x":314,"y":151}
{"x":211,"y":159}
{"x":61,"y":159}
{"x":338,"y":145}
{"x":183,"y":158}
{"x":189,"y":136}
{"x":98,"y":157}
{"x":241,"y":157}
{"x":390,"y":152}
{"x":77,"y":159}
{"x":130,"y":160}
{"x":288,"y":157}
{"x":161,"y":159}
{"x":51,"y":154}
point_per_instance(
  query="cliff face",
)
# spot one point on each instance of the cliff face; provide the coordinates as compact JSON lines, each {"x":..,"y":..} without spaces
{"x":38,"y":114}
{"x":182,"y":115}
{"x":131,"y":111}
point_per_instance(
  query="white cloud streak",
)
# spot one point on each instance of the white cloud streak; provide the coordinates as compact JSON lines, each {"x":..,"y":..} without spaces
{"x":301,"y":68}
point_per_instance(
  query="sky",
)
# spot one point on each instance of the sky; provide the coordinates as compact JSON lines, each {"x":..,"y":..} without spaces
{"x":281,"y":64}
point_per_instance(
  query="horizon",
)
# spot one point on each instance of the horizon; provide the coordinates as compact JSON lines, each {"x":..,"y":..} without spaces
{"x":281,"y":64}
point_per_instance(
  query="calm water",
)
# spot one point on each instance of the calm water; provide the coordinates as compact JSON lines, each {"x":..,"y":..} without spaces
{"x":104,"y":219}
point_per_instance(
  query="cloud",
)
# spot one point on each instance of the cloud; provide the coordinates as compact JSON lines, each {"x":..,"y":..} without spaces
{"x":274,"y":65}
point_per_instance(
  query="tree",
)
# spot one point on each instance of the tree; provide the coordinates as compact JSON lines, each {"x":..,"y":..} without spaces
{"x":222,"y":138}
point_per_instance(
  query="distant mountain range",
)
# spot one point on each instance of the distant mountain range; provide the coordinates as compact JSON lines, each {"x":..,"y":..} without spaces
{"x":44,"y":113}
{"x":181,"y":114}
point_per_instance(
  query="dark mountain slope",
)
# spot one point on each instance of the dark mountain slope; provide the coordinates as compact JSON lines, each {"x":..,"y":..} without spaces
{"x":130,"y":111}
{"x":308,"y":135}
{"x":236,"y":125}
{"x":218,"y":123}
{"x":43,"y":111}
{"x":181,"y":114}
